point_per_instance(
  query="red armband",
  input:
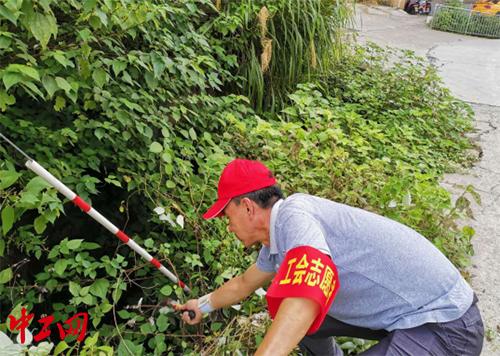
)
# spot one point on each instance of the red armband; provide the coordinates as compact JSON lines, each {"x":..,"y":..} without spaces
{"x":307,"y":273}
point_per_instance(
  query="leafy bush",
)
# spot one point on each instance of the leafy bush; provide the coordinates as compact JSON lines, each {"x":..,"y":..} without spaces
{"x":117,"y":100}
{"x":134,"y":105}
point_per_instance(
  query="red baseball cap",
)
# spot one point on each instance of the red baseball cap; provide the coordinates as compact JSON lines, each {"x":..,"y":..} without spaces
{"x":239,"y":177}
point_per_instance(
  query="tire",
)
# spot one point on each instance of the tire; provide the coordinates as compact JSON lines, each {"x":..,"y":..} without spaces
{"x":413,"y":10}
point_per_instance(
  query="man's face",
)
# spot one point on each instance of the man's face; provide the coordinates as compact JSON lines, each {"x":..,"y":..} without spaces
{"x":240,"y":221}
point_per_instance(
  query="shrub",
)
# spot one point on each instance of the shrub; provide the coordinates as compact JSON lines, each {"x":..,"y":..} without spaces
{"x":120,"y":100}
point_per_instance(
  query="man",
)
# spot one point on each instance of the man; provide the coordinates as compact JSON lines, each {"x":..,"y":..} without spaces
{"x":339,"y":271}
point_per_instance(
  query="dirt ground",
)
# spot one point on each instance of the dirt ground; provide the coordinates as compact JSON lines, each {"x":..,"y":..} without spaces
{"x":470,"y":67}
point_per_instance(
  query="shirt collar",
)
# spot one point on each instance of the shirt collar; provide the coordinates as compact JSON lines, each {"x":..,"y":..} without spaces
{"x":272,"y":233}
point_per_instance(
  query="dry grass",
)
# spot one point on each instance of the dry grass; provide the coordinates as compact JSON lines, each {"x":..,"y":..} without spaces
{"x":266,"y":43}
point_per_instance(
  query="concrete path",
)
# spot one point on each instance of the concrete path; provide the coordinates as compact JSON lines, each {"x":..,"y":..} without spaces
{"x":470,"y":67}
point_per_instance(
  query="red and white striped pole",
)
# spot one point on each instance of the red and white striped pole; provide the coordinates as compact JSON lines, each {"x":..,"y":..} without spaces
{"x":79,"y":202}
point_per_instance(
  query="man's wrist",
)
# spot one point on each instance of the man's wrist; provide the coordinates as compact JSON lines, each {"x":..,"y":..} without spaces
{"x":204,"y":304}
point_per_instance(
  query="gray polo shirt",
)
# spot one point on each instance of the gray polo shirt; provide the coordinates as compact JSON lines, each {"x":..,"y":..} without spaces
{"x":391,"y":277}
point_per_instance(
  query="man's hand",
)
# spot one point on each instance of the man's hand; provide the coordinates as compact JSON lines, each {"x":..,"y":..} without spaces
{"x":191,"y":304}
{"x":232,"y":292}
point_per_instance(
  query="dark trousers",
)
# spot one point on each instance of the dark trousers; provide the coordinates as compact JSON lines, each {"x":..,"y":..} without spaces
{"x":461,"y":337}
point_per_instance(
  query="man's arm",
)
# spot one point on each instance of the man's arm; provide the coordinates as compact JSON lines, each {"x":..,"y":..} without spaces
{"x":230,"y":292}
{"x":294,"y":317}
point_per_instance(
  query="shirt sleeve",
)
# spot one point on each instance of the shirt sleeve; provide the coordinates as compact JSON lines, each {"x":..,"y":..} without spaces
{"x":302,"y":229}
{"x":263,"y":261}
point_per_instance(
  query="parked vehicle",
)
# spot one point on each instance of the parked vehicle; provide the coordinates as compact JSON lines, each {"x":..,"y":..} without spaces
{"x":487,"y":7}
{"x":421,"y":7}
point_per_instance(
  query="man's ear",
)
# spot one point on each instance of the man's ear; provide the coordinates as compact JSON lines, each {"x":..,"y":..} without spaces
{"x":249,"y":205}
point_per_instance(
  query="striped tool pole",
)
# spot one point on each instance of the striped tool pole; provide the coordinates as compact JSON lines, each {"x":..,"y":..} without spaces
{"x":85,"y":207}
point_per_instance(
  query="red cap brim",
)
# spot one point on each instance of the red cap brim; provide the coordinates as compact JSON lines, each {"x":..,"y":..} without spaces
{"x":216,"y":210}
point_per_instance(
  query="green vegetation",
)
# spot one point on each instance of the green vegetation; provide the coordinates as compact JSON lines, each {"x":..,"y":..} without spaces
{"x":303,"y":39}
{"x":372,"y":136}
{"x":137,"y":106}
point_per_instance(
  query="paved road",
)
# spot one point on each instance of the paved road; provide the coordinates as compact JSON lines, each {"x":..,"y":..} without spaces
{"x":470,"y":67}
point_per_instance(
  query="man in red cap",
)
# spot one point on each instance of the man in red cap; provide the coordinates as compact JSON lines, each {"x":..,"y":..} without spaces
{"x":337,"y":270}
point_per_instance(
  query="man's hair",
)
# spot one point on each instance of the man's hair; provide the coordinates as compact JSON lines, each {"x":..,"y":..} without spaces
{"x":265,"y":197}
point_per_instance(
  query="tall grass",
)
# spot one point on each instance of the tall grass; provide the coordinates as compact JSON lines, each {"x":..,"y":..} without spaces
{"x":292,"y":41}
